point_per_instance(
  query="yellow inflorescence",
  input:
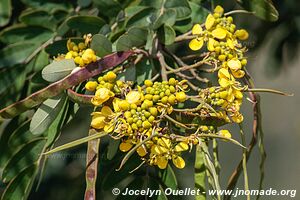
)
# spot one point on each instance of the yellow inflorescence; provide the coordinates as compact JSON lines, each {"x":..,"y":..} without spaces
{"x":80,"y":52}
{"x":224,"y":47}
{"x":134,"y":115}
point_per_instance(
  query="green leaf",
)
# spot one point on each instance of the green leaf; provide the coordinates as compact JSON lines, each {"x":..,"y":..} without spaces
{"x":5,"y":7}
{"x":86,"y":24}
{"x":167,"y":17}
{"x":108,"y":8}
{"x":137,"y":36}
{"x":9,"y":78}
{"x":16,"y":53}
{"x":77,"y":142}
{"x":198,"y":14}
{"x":12,"y":139}
{"x":167,"y":35}
{"x":42,"y":60}
{"x":183,"y":26}
{"x":181,"y":7}
{"x":200,"y":174}
{"x":19,"y":188}
{"x":142,"y":18}
{"x":123,"y":43}
{"x":154,"y":184}
{"x":17,"y":33}
{"x":27,"y":156}
{"x":263,"y":9}
{"x":101,"y":45}
{"x":56,"y":126}
{"x":112,"y":148}
{"x":57,"y":70}
{"x":143,"y":71}
{"x":134,"y":37}
{"x":168,"y":178}
{"x":46,"y":114}
{"x":49,"y":6}
{"x":38,"y":18}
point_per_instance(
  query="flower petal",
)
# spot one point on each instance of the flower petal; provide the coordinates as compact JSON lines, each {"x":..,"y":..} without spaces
{"x":125,"y":146}
{"x":223,"y":73}
{"x":181,"y":146}
{"x":219,"y":33}
{"x":209,"y":22}
{"x":178,"y":162}
{"x":234,"y":64}
{"x":210,"y":44}
{"x":196,"y":44}
{"x":162,"y":162}
{"x":197,"y":29}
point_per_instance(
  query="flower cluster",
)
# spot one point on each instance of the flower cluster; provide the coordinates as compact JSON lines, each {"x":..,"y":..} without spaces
{"x":81,"y":53}
{"x":133,"y":115}
{"x":225,"y":49}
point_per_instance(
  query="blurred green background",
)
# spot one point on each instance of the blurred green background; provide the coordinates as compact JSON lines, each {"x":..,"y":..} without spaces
{"x":274,"y":59}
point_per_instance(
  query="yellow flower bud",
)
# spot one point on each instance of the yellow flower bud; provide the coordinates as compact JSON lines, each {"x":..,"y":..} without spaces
{"x":91,"y":85}
{"x":180,"y":96}
{"x":225,"y":133}
{"x":153,"y":111}
{"x":234,"y":64}
{"x":172,"y":81}
{"x":110,"y":76}
{"x":148,"y":83}
{"x":241,"y":34}
{"x":69,"y":55}
{"x":218,"y":9}
{"x":124,"y":105}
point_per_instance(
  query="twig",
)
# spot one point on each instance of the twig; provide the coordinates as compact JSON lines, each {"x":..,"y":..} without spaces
{"x":163,"y":66}
{"x":238,"y":12}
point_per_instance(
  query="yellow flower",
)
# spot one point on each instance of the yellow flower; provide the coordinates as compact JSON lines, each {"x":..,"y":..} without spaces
{"x":234,"y":64}
{"x":209,"y":22}
{"x":101,"y":96}
{"x":219,"y":33}
{"x":103,"y":120}
{"x":163,"y":151}
{"x":196,"y":44}
{"x":134,"y":97}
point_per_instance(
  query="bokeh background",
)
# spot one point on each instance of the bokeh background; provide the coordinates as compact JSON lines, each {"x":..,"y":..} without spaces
{"x":274,"y":59}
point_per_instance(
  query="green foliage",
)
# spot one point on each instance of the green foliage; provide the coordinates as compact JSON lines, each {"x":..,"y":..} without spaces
{"x":30,"y":41}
